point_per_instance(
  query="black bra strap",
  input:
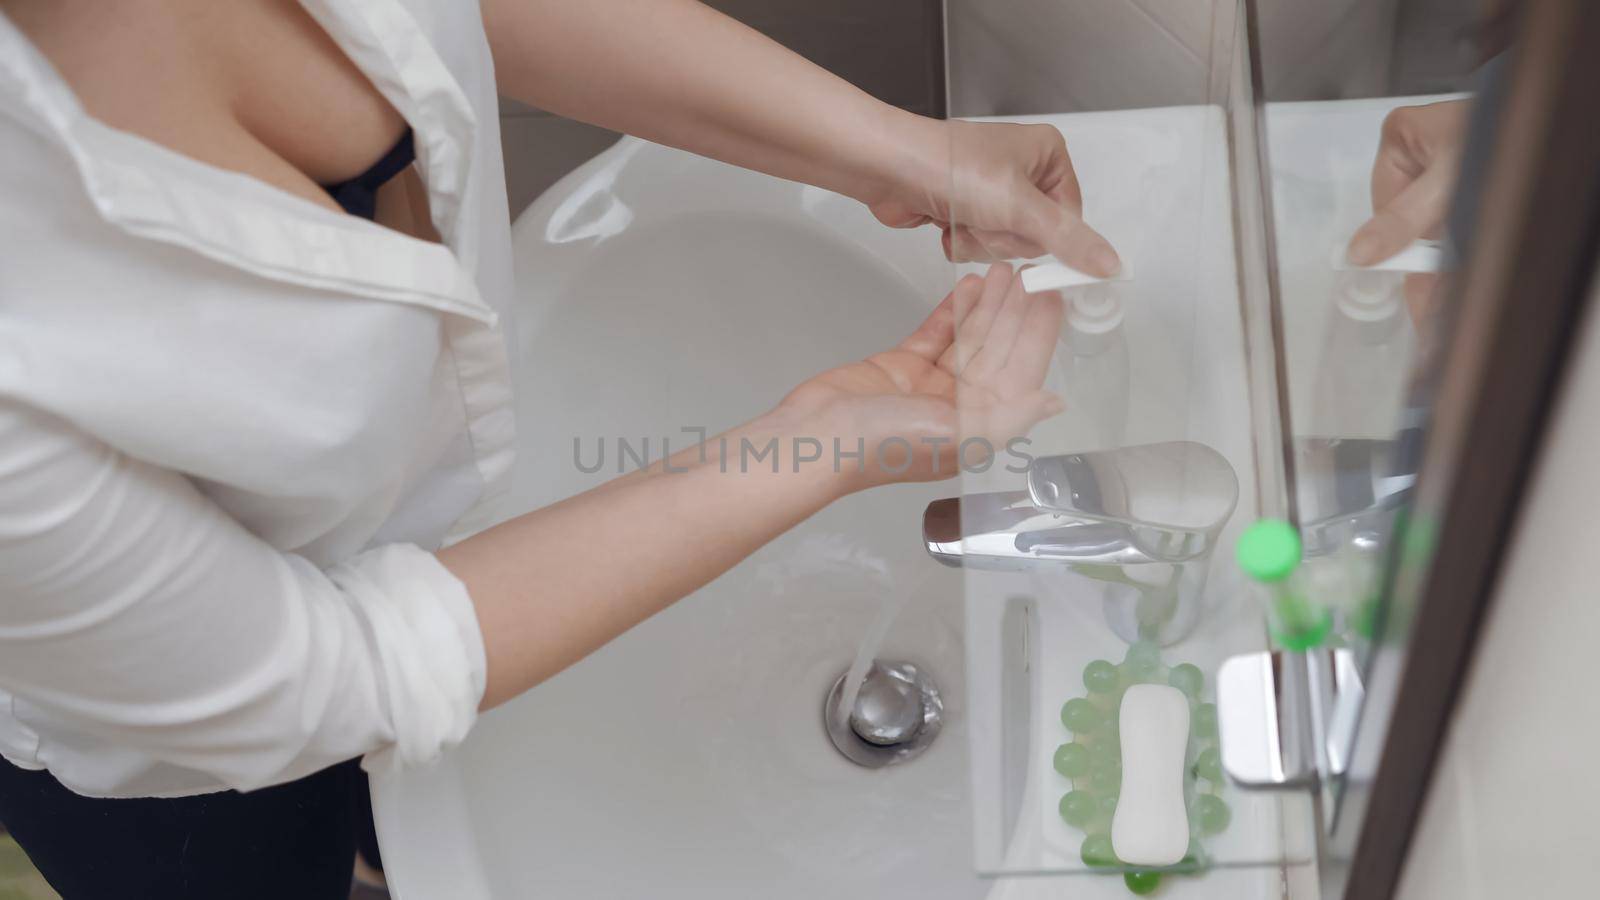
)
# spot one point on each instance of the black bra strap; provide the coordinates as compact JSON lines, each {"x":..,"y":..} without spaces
{"x":359,"y":195}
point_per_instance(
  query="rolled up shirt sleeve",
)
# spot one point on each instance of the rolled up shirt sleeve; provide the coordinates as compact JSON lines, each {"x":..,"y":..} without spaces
{"x":134,"y":613}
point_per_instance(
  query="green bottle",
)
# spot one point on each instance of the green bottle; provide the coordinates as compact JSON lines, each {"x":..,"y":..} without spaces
{"x":1269,"y":552}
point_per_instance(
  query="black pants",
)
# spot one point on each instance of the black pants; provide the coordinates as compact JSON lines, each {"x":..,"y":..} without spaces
{"x":295,"y":841}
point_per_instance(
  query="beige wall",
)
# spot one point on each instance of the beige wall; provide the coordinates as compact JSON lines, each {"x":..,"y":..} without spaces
{"x":1514,"y":807}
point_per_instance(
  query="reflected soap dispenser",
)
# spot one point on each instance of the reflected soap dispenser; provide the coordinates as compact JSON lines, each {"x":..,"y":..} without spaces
{"x":1364,"y":358}
{"x":1097,"y":378}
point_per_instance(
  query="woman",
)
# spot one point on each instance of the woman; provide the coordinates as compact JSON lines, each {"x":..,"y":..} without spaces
{"x":251,"y":382}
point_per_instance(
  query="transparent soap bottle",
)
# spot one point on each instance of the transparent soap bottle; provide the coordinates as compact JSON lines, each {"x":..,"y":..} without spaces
{"x":1364,"y":359}
{"x":1097,"y":378}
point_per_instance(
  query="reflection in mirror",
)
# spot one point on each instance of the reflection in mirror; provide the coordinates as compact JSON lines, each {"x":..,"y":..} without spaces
{"x":1362,"y":172}
{"x":1360,"y":178}
{"x":1115,"y":525}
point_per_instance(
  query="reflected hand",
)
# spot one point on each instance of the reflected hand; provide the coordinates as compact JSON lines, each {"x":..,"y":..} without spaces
{"x":997,"y":191}
{"x":1412,"y":178}
{"x":974,"y":368}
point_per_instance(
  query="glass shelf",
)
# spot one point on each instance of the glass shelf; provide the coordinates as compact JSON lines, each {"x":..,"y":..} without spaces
{"x":1035,"y":641}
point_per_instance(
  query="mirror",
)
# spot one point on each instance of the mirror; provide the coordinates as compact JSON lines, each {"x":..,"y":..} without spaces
{"x":1361,"y":168}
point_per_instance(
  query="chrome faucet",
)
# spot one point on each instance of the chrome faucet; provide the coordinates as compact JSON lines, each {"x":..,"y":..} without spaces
{"x":1350,"y":489}
{"x":1152,"y":503}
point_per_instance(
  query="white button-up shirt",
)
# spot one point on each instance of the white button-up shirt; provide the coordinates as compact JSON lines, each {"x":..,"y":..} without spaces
{"x":233,"y":424}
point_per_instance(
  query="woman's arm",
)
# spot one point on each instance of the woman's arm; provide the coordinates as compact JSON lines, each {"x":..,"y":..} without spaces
{"x":133,"y":610}
{"x":551,"y":586}
{"x":680,"y":73}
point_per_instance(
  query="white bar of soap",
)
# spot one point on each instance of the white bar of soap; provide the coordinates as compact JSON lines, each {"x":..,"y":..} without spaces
{"x":1151,"y":825}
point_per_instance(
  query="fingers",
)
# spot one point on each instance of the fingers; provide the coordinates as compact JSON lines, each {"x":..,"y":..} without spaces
{"x":1017,"y":353}
{"x":992,"y":357}
{"x":1416,"y":211}
{"x":1004,"y":336}
{"x":961,"y":246}
{"x":998,"y":390}
{"x":1395,"y":165}
{"x":1064,"y":234}
{"x":984,"y":245}
{"x":1065,"y":189}
{"x":1013,"y":194}
{"x":1412,"y":177}
{"x":1005,"y":339}
{"x":1074,"y":243}
{"x":934,"y":336}
{"x":1036,"y":344}
{"x":974,"y":319}
{"x":1034,"y":225}
{"x":1392,"y":172}
{"x":1082,"y":248}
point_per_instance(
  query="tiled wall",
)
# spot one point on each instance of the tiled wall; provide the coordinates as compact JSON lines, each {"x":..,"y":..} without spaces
{"x":891,"y":48}
{"x":1047,"y":56}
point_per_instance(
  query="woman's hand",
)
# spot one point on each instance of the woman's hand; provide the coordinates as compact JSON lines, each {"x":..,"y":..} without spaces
{"x":997,"y":191}
{"x":659,"y":69}
{"x":548,"y":588}
{"x":1412,"y":177}
{"x":973,"y":369}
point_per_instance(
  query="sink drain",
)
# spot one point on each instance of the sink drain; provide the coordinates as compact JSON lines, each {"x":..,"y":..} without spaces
{"x":896,"y":715}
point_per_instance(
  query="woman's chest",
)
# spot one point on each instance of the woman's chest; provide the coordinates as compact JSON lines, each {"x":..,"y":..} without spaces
{"x":256,"y":87}
{"x":312,"y":373}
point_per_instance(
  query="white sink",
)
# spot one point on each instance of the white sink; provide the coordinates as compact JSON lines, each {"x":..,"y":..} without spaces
{"x":688,"y":759}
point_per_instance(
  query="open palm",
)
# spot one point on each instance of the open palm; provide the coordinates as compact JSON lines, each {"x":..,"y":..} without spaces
{"x":973,"y":369}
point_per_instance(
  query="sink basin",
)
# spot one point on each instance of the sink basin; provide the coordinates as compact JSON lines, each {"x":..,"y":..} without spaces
{"x":662,"y":292}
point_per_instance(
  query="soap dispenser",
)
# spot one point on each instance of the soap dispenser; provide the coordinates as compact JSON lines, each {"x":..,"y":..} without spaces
{"x":1097,"y":378}
{"x":1364,"y":354}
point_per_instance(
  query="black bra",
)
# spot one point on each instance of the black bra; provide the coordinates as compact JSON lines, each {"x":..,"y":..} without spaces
{"x":359,"y":195}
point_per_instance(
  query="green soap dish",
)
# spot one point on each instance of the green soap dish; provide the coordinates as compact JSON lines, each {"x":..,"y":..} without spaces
{"x":1142,"y":881}
{"x":1091,"y":761}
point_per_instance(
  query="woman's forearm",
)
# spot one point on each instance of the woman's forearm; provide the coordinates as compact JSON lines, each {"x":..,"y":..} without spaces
{"x":680,"y":73}
{"x":553,"y":585}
